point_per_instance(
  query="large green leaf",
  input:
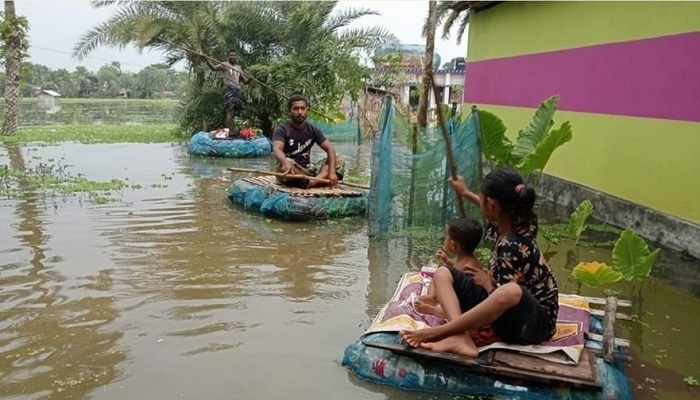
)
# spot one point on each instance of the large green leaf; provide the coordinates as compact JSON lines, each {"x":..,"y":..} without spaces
{"x":538,"y":159}
{"x":631,"y":256}
{"x":495,"y":145}
{"x":577,"y":220}
{"x":530,"y":137}
{"x":594,"y":274}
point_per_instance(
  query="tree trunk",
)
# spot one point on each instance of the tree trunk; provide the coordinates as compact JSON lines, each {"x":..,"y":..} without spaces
{"x":13,"y":59}
{"x":424,"y":98}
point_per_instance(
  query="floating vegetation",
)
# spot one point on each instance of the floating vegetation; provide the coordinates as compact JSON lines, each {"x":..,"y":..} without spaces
{"x":54,"y":180}
{"x":89,"y":134}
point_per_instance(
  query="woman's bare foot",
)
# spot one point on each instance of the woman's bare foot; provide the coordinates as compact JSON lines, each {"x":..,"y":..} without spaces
{"x":462,"y":345}
{"x":416,"y":338}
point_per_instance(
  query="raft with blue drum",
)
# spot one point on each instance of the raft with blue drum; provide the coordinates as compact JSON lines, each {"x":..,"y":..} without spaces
{"x":204,"y":144}
{"x":500,"y":371}
{"x":264,"y":195}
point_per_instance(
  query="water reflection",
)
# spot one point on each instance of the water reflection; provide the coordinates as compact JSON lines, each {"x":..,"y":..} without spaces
{"x":50,"y":344}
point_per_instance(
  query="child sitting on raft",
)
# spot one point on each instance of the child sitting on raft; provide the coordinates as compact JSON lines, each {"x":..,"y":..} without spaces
{"x":462,"y":236}
{"x":522,"y":296}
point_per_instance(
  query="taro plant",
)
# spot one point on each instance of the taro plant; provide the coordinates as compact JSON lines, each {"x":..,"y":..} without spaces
{"x":534,"y":146}
{"x":595,"y":274}
{"x":577,"y":220}
{"x":632,"y":260}
{"x":632,"y":257}
{"x":574,"y":227}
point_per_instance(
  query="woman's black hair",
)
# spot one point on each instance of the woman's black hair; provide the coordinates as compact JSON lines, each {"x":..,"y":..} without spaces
{"x":515,"y":198}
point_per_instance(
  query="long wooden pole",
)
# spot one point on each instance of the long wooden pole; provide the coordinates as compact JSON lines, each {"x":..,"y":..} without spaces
{"x":293,"y":176}
{"x":251,"y":78}
{"x":452,"y":162}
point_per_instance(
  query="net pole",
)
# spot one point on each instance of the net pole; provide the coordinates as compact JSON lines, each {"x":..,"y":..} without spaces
{"x":448,"y":147}
{"x":412,"y":190}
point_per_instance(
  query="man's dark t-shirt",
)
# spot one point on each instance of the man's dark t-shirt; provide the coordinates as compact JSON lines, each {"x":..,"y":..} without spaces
{"x":298,"y":143}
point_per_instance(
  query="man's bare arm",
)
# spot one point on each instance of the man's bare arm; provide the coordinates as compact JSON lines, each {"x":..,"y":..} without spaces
{"x":278,"y":151}
{"x":327,"y":146}
{"x":212,"y":66}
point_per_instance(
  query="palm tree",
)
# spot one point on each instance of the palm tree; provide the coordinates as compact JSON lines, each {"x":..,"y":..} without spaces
{"x":424,"y":97}
{"x":450,"y":13}
{"x":14,"y":36}
{"x":289,"y":46}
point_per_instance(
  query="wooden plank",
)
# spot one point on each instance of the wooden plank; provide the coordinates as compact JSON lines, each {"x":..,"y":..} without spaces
{"x":313,"y":192}
{"x":601,"y":301}
{"x":621,"y":316}
{"x":599,"y":338}
{"x":294,"y":176}
{"x":609,"y":328}
{"x":624,"y":357}
{"x":583,"y":370}
{"x":497,"y":370}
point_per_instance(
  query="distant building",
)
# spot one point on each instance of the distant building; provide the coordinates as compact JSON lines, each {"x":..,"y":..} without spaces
{"x":412,"y":56}
{"x":449,"y":82}
{"x":47,"y":100}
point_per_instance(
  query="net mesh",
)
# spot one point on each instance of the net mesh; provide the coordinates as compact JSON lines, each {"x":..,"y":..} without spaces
{"x":346,"y":131}
{"x":410,"y":194}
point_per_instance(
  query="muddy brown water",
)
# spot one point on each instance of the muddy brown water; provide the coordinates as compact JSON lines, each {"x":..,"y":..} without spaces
{"x":173,"y":293}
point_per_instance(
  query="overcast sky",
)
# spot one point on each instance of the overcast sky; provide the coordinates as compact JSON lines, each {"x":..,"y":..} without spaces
{"x":56,"y":25}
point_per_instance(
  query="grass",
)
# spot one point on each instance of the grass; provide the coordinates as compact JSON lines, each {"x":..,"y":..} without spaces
{"x":64,"y":100}
{"x":162,"y":133}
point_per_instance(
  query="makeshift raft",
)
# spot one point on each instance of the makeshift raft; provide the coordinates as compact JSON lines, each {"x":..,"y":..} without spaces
{"x":263,"y":194}
{"x":203,"y":144}
{"x":381,"y":356}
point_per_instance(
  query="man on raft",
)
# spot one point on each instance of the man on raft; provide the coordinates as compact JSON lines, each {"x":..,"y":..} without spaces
{"x":292,"y":141}
{"x":233,"y":103}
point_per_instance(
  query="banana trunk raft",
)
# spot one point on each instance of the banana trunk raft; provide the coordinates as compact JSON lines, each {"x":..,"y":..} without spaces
{"x":204,"y":144}
{"x":573,"y":365}
{"x":264,"y":195}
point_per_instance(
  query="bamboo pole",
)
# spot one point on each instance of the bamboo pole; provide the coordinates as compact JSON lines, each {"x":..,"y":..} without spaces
{"x":246,"y":75}
{"x":294,"y":176}
{"x":448,"y":147}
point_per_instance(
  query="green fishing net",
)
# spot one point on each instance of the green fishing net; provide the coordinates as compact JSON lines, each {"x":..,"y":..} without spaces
{"x":410,"y":194}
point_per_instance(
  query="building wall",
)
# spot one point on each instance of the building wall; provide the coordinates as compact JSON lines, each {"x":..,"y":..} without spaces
{"x":628,"y":76}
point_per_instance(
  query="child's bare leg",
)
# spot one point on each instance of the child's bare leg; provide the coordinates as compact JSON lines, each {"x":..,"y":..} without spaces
{"x":425,"y":308}
{"x":428,"y":304}
{"x":445,"y":293}
{"x":461,"y":344}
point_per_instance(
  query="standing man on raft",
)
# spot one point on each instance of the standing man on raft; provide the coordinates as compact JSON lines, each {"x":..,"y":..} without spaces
{"x":233,"y":75}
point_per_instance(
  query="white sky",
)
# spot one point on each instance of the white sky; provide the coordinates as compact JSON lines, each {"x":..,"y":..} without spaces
{"x":56,"y":25}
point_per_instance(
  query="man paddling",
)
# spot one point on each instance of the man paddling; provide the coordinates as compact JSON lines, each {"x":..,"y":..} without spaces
{"x":292,"y":141}
{"x":233,"y":75}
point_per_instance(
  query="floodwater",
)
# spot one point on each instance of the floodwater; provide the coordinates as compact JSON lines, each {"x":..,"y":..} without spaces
{"x":173,"y":293}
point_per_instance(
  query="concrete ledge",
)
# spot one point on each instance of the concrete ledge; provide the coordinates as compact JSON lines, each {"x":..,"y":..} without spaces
{"x":663,"y":229}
